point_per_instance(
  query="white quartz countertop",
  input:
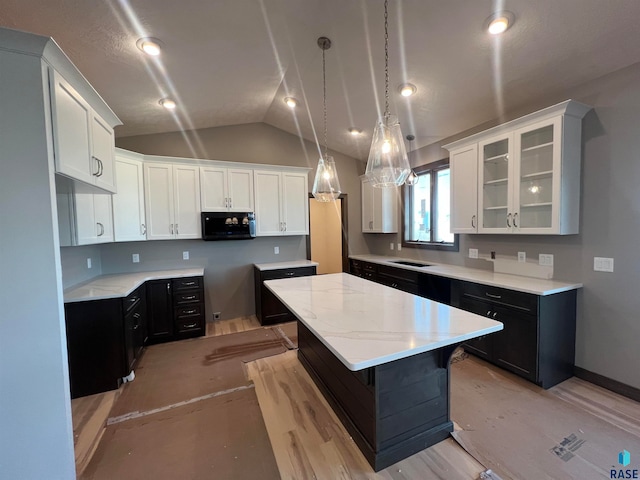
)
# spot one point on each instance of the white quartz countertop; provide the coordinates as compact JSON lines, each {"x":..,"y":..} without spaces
{"x":283,"y":265}
{"x":122,"y":284}
{"x":537,"y":286}
{"x":366,"y":324}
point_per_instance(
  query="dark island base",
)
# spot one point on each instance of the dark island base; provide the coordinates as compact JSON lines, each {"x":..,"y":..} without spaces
{"x":392,"y":410}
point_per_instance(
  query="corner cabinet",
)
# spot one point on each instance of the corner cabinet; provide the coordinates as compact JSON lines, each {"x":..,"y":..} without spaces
{"x":84,"y":142}
{"x":129,"y":222}
{"x":528,"y":175}
{"x":282,"y":202}
{"x":379,"y":208}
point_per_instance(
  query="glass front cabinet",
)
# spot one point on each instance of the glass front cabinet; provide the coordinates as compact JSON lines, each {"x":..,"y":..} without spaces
{"x":529,"y":173}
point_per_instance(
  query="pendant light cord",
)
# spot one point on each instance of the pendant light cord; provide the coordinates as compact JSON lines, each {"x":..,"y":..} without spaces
{"x":386,"y":58}
{"x":324,"y":102}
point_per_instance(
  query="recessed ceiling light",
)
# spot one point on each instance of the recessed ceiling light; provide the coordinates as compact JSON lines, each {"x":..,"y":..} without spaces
{"x":355,"y":131}
{"x":291,"y":102}
{"x":167,"y":103}
{"x":499,"y":22}
{"x":407,"y":89}
{"x":150,"y":46}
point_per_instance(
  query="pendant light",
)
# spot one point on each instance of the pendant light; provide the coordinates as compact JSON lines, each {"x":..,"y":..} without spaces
{"x":326,"y":186}
{"x":388,"y":165}
{"x":412,"y":179}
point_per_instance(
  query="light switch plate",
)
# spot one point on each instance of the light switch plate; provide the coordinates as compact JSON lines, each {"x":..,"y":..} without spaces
{"x":399,"y":246}
{"x":135,"y":258}
{"x":473,"y":253}
{"x":522,"y":257}
{"x":185,"y":255}
{"x":603,"y":264}
{"x":545,"y":259}
{"x":89,"y":262}
{"x":391,"y":246}
{"x":276,"y":250}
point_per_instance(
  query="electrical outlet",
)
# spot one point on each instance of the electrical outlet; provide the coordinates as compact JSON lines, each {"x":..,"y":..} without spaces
{"x":216,"y":315}
{"x":473,"y":253}
{"x":135,"y":258}
{"x":391,"y":246}
{"x":522,"y":257}
{"x":88,"y":262}
{"x":545,"y":259}
{"x":603,"y":264}
{"x":276,"y":250}
{"x":493,"y":255}
{"x":399,"y":246}
{"x":185,"y":255}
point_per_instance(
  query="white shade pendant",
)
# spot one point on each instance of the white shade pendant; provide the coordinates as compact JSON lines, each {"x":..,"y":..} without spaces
{"x":388,"y":165}
{"x":326,"y":186}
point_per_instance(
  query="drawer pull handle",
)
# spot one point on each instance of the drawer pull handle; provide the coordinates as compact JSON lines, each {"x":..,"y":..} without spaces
{"x":133,"y":300}
{"x":494,"y":314}
{"x":190,"y":297}
{"x":188,"y":284}
{"x":136,"y":315}
{"x":191,"y":325}
{"x":488,"y":313}
{"x":189,"y":312}
{"x":290,"y":274}
{"x":490,"y":295}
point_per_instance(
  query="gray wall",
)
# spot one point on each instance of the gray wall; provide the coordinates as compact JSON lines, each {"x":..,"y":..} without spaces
{"x":228,"y":264}
{"x":36,"y":435}
{"x":608,"y":321}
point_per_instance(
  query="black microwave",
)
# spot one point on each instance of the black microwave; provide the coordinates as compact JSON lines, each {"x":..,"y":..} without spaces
{"x":228,"y":225}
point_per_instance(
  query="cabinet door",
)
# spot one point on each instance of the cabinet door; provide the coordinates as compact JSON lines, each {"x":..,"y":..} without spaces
{"x":516,"y":346}
{"x":103,"y":217}
{"x":84,"y":212}
{"x":158,"y":199}
{"x":537,"y":178}
{"x":240,"y":188}
{"x":128,"y":204}
{"x":480,"y":346}
{"x":103,"y":152}
{"x":385,"y":209}
{"x":367,"y":206}
{"x":295,"y":203}
{"x":213,"y":189}
{"x":71,"y":131}
{"x":464,"y":189}
{"x":268,"y":186}
{"x":159,"y":310}
{"x":495,"y":165}
{"x":186,"y":190}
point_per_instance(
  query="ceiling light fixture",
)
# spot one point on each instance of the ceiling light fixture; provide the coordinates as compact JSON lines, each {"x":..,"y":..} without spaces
{"x":355,"y":131}
{"x":407,"y":89}
{"x":326,"y":185}
{"x":499,"y":22}
{"x":387,"y":165}
{"x":412,"y":179}
{"x":291,"y":102}
{"x":149,"y":45}
{"x":167,"y":103}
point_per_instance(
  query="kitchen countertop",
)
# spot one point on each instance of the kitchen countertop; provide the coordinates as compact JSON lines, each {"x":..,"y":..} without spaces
{"x":537,"y":286}
{"x":122,"y":284}
{"x":282,"y":265}
{"x":366,"y":324}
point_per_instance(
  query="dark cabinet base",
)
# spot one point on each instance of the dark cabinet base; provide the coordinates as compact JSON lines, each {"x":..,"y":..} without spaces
{"x":269,"y":309}
{"x":392,"y":410}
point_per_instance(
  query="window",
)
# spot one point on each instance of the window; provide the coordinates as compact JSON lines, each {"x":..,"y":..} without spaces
{"x":427,"y":209}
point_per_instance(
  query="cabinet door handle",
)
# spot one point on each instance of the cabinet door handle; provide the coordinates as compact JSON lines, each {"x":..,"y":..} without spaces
{"x":285,"y":226}
{"x":515,"y":218}
{"x":191,"y":325}
{"x":177,"y":231}
{"x":143,"y":229}
{"x":509,"y":220}
{"x":101,"y":232}
{"x":230,"y":202}
{"x":473,"y":221}
{"x":101,"y":167}
{"x":95,"y":174}
{"x":371,"y":225}
{"x":171,"y":227}
{"x":168,"y":286}
{"x":490,"y":295}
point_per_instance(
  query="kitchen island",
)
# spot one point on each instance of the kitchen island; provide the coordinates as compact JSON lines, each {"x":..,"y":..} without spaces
{"x":381,"y":358}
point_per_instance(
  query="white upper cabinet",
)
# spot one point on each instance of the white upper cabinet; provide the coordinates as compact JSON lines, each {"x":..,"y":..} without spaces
{"x":172,"y":201}
{"x":281,"y":202}
{"x":379,"y":208}
{"x":463,"y":163}
{"x":226,"y":189}
{"x":128,"y":204}
{"x":528,"y":174}
{"x":84,"y":143}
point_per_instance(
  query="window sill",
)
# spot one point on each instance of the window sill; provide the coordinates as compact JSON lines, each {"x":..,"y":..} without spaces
{"x":450,"y":247}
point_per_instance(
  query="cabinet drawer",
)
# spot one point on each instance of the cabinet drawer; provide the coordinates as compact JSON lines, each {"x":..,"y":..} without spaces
{"x":187,"y":297}
{"x":133,"y":299}
{"x":407,"y":276}
{"x":288,"y":272}
{"x":189,"y":311}
{"x":523,"y":302}
{"x":187,"y":283}
{"x":189,"y":324}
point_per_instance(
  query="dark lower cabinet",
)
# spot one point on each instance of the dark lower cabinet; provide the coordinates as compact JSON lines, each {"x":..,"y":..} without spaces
{"x":176,"y":309}
{"x":269,"y":309}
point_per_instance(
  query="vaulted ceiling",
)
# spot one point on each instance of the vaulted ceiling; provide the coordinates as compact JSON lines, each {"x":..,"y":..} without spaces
{"x":230,"y":62}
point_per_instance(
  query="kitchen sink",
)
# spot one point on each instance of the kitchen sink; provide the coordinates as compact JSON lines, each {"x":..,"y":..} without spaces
{"x":411,"y":264}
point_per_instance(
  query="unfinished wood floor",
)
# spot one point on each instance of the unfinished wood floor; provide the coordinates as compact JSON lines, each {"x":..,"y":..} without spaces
{"x":235,"y":325}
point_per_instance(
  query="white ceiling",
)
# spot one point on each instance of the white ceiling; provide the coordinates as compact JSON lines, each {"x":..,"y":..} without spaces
{"x":229,"y":62}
